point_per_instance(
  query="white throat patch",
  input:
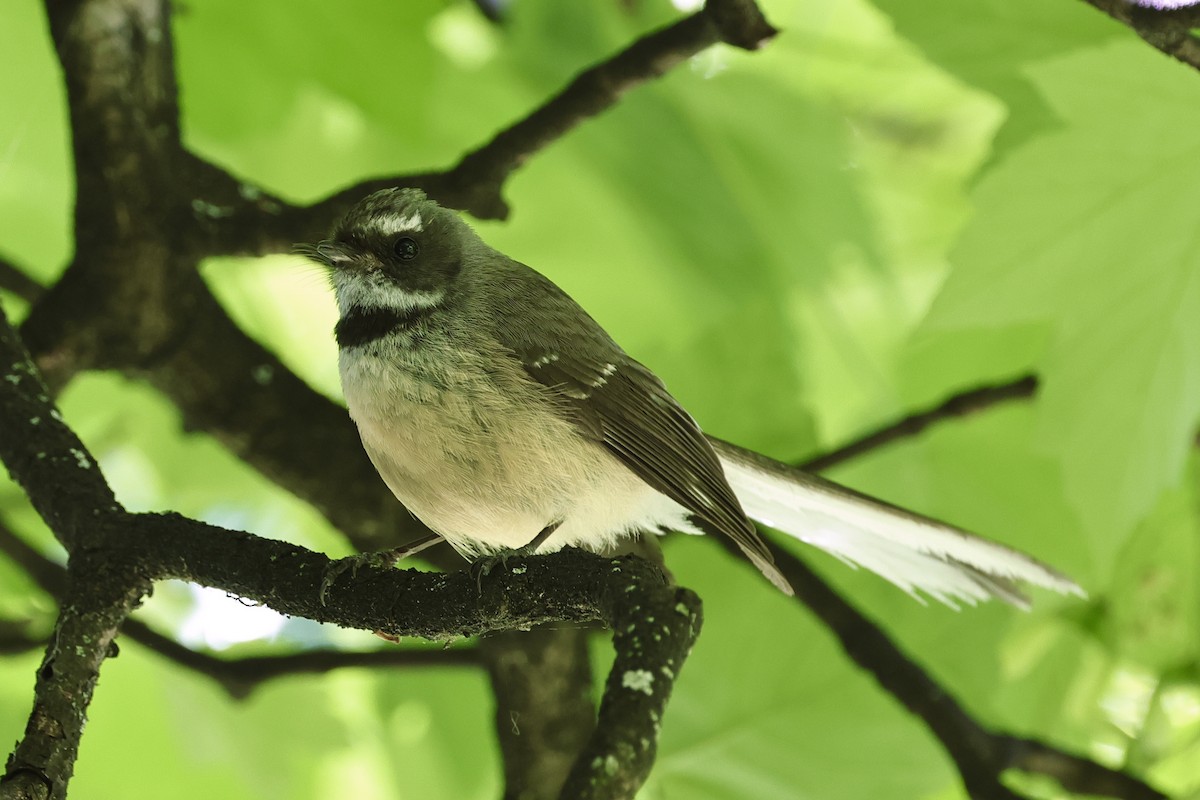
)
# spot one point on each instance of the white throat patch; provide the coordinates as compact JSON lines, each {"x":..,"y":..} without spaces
{"x":354,"y":291}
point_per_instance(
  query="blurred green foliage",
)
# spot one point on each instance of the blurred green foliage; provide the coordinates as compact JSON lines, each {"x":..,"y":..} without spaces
{"x":892,"y":202}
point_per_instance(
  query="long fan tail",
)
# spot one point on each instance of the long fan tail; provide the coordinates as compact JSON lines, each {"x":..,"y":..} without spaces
{"x":918,"y":554}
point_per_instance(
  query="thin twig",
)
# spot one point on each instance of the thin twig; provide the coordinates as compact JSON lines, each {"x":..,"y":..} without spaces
{"x":478,"y":177}
{"x":960,"y":405}
{"x":254,"y":222}
{"x":241,"y":676}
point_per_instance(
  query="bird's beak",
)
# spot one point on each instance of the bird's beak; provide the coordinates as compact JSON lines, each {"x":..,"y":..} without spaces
{"x":326,"y":253}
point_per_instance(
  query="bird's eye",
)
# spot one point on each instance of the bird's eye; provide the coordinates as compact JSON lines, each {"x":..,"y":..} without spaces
{"x":406,"y":248}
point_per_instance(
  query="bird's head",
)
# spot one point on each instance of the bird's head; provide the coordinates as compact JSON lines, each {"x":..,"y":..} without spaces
{"x":396,"y":250}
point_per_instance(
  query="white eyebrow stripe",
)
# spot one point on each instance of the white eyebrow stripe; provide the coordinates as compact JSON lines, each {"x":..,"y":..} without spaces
{"x":391,"y":225}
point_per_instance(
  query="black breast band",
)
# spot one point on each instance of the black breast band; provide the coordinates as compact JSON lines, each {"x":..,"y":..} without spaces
{"x":365,"y":325}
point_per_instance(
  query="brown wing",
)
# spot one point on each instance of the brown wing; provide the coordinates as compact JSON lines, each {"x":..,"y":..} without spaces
{"x":617,"y":402}
{"x":625,"y":407}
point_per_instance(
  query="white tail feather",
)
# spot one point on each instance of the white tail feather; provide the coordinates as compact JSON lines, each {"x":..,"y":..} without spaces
{"x":918,"y":554}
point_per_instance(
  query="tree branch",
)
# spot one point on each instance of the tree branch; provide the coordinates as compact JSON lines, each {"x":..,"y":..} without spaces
{"x":16,"y":281}
{"x":1074,"y":773}
{"x":253,"y":222}
{"x":42,"y":763}
{"x":238,"y":677}
{"x":130,"y":221}
{"x":477,"y":178}
{"x":654,"y":624}
{"x":542,"y":680}
{"x":115,"y":555}
{"x":64,"y":484}
{"x":1169,"y":30}
{"x":42,"y":454}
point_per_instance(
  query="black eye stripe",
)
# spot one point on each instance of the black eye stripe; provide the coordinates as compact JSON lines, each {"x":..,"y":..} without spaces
{"x":406,"y":248}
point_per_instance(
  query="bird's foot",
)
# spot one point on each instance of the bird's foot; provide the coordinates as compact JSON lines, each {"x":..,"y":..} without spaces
{"x":482,"y":567}
{"x":380,"y":558}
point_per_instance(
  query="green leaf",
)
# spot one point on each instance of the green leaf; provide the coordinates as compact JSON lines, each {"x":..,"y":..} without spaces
{"x":308,"y":83}
{"x":1155,"y":597}
{"x":35,"y":151}
{"x":1084,"y":231}
{"x":987,"y":43}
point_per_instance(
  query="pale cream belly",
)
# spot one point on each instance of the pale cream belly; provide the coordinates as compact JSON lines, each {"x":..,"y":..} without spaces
{"x":488,"y":473}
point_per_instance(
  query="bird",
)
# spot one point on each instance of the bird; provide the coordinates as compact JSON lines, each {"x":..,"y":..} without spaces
{"x":505,"y":418}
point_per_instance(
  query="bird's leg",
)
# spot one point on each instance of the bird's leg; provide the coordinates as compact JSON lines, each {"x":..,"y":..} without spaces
{"x":537,"y":541}
{"x":379,"y":558}
{"x":484,"y":566}
{"x":411,"y":549}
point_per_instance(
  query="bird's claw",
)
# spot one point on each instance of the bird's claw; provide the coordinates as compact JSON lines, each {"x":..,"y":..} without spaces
{"x":384,"y":559}
{"x":482,"y":567}
{"x":381,"y":558}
